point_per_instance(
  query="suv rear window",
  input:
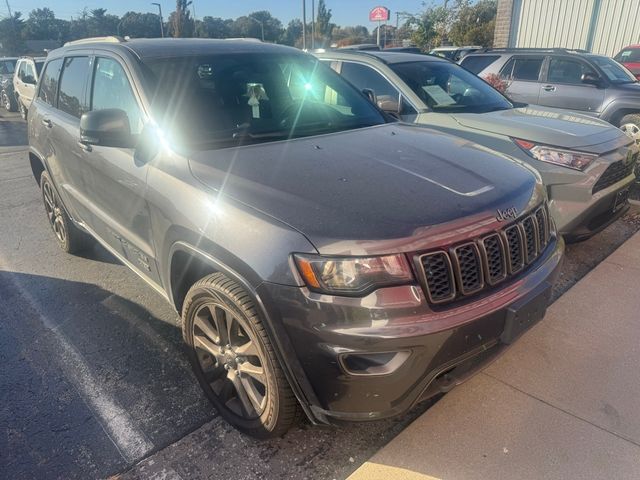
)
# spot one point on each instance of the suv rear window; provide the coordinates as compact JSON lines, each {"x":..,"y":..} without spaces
{"x":478,"y":63}
{"x":522,"y":68}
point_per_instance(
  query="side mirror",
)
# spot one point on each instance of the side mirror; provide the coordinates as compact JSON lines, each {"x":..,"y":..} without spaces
{"x":390,"y":105}
{"x":590,"y":79}
{"x":108,"y":128}
{"x":370,"y":94}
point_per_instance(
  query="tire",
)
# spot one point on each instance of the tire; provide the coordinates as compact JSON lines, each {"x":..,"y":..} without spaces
{"x":7,"y":102}
{"x":630,"y":124}
{"x":69,"y":237}
{"x":234,"y":360}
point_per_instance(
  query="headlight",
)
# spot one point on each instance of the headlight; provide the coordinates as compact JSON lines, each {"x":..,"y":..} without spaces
{"x":557,"y":156}
{"x":352,"y":275}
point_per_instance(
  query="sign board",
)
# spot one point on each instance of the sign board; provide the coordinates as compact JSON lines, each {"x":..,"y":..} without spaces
{"x":379,"y":14}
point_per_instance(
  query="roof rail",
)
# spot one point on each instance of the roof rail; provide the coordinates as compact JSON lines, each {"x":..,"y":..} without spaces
{"x":109,"y":39}
{"x":539,"y":50}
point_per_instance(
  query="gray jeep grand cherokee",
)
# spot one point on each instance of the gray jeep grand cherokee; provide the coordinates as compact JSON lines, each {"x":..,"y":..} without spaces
{"x":323,"y":258}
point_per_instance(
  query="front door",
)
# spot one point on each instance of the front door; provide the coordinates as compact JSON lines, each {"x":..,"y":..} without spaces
{"x":116,"y":183}
{"x":563,"y":86}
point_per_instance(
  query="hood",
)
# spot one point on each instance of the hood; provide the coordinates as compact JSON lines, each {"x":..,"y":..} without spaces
{"x":348,"y":189}
{"x":549,"y":126}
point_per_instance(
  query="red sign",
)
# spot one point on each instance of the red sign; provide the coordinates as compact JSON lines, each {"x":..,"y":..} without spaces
{"x":379,"y":14}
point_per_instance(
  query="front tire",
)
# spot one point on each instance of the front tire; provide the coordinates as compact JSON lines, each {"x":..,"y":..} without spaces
{"x":68,"y":236}
{"x":234,"y":360}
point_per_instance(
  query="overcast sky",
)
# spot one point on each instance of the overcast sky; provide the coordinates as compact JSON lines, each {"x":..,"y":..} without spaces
{"x":345,"y":12}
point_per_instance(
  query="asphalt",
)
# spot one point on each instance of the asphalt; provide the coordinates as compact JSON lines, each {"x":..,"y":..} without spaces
{"x":93,"y":377}
{"x":562,"y":403}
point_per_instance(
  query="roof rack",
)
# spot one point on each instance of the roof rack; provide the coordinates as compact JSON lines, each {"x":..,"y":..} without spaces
{"x":538,"y":50}
{"x":109,"y":39}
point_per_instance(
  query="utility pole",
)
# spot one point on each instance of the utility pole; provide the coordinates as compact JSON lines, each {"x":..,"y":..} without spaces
{"x":304,"y":24}
{"x":313,"y":24}
{"x":161,"y":22}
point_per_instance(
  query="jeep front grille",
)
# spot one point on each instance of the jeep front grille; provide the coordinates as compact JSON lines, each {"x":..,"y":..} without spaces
{"x":475,"y":266}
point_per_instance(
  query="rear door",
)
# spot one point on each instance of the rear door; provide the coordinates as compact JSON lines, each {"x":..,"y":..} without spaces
{"x":116,"y":181}
{"x":563,"y":87}
{"x":523,"y":74}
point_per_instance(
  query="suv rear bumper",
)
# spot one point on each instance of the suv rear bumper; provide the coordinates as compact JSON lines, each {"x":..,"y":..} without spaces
{"x":375,"y":357}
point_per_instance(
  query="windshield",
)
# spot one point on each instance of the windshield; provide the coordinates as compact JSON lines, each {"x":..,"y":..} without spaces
{"x":628,"y":55}
{"x":446,"y":87}
{"x":615,"y":72}
{"x":229,"y":100}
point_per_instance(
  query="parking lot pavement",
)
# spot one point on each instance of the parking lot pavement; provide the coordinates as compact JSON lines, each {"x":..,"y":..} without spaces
{"x":562,"y":403}
{"x":93,"y":379}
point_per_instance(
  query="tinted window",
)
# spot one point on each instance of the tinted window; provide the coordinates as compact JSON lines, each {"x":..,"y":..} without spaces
{"x":28,"y":73}
{"x":615,"y":72}
{"x":71,"y":98}
{"x":447,"y":87}
{"x":111,"y":89}
{"x":234,"y":99}
{"x":366,"y":77}
{"x":566,"y":70}
{"x":49,"y":82}
{"x":522,"y":69}
{"x":478,"y":63}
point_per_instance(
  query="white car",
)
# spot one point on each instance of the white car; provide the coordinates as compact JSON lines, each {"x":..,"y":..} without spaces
{"x":25,"y":80}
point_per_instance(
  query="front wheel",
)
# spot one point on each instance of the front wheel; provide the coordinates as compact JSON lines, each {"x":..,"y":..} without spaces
{"x":630,"y":124}
{"x":234,"y":360}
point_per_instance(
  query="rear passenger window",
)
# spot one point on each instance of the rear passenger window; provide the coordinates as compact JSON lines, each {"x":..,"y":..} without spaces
{"x":71,"y":98}
{"x":477,"y":64}
{"x":522,"y":69}
{"x":49,"y":82}
{"x":111,"y":89}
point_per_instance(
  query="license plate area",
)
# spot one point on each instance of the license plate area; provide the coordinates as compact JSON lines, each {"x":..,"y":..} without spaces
{"x":525,"y":313}
{"x":622,"y":198}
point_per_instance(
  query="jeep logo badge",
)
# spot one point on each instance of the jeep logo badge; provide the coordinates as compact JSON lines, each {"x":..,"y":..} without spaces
{"x":506,"y":214}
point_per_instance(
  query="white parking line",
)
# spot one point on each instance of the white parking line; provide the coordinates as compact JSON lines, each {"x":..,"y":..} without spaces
{"x":117,"y":424}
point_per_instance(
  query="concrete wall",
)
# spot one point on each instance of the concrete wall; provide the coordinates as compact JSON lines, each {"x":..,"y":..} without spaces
{"x":601,"y":26}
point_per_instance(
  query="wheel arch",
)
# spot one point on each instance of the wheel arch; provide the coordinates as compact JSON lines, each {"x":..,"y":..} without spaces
{"x":37,"y":166}
{"x":616,"y":110}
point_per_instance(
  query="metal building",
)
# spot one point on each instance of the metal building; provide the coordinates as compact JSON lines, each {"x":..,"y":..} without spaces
{"x":600,"y":26}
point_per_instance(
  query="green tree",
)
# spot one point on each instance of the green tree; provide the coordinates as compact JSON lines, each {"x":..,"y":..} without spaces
{"x":140,"y":25}
{"x":102,"y":24}
{"x":323,"y":22}
{"x":475,"y":23}
{"x":11,"y":30}
{"x":180,"y":22}
{"x":214,"y":27}
{"x":431,"y":26}
{"x":249,"y":26}
{"x":41,"y":25}
{"x":292,"y":35}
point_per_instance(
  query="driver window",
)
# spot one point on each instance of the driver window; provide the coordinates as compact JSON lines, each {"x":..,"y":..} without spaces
{"x":111,"y":89}
{"x":564,"y":70}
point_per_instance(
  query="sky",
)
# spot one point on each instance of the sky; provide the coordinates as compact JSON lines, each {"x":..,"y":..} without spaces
{"x":345,"y":12}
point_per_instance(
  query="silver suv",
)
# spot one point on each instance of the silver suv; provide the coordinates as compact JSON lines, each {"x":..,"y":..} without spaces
{"x":586,"y":164}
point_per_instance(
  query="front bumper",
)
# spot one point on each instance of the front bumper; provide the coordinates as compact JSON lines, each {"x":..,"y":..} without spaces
{"x":374,"y":357}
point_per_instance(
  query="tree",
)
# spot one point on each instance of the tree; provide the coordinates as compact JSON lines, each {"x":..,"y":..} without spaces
{"x":214,"y":27}
{"x":11,"y":29}
{"x":430,"y":27}
{"x":101,"y":24}
{"x":323,"y":22}
{"x":180,"y":22}
{"x":250,"y":26}
{"x":344,"y":36}
{"x":475,"y":24}
{"x":292,"y":35}
{"x":140,"y":25}
{"x":41,"y":25}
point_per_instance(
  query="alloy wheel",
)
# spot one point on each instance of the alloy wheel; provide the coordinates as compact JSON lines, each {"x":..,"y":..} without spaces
{"x":632,"y":130}
{"x":230,"y":360}
{"x":54,"y":212}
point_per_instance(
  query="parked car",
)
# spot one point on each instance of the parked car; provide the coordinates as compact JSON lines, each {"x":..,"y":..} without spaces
{"x":595,"y":85}
{"x":265,"y":198}
{"x":7,"y":96}
{"x":25,"y":80}
{"x":586,"y":164}
{"x":630,"y":58}
{"x":7,"y":67}
{"x":455,"y":54}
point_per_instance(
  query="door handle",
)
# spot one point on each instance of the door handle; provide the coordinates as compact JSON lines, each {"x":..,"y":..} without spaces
{"x":549,"y":88}
{"x":47,"y":123}
{"x":85,"y":146}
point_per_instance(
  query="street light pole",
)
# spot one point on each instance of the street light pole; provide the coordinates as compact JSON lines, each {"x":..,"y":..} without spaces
{"x":161,"y":22}
{"x":304,"y":24}
{"x":313,"y":24}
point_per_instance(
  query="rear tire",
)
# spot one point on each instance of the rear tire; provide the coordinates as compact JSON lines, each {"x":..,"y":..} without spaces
{"x":630,"y":124}
{"x":234,"y":360}
{"x":69,"y":237}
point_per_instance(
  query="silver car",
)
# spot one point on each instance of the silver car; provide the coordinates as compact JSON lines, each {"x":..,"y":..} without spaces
{"x":586,"y":164}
